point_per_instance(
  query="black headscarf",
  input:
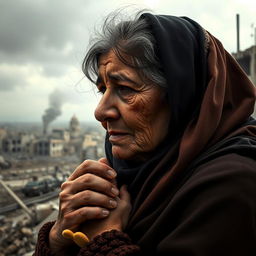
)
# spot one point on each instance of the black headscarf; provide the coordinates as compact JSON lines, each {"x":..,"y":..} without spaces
{"x":181,"y":48}
{"x":186,"y":49}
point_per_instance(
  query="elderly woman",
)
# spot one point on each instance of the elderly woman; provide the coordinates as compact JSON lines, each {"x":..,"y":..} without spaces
{"x":180,"y":173}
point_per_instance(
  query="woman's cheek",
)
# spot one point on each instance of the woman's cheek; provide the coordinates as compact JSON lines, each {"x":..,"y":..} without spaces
{"x":142,"y":122}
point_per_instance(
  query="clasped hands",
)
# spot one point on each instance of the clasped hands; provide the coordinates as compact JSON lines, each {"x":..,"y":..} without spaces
{"x":90,"y":202}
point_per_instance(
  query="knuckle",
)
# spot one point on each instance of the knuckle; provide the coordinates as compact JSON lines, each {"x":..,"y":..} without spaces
{"x":98,"y":212}
{"x":65,"y":184}
{"x":87,"y":195}
{"x":105,"y":200}
{"x":106,"y":186}
{"x":62,"y":195}
{"x":87,"y":178}
{"x":86,"y":163}
{"x":84,"y":213}
{"x":63,"y":208}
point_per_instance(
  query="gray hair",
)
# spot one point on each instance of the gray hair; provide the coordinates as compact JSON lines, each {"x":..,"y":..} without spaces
{"x":131,"y":37}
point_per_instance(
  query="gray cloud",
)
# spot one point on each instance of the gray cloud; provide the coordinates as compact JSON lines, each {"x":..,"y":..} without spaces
{"x":27,"y":25}
{"x":44,"y":32}
{"x":9,"y":81}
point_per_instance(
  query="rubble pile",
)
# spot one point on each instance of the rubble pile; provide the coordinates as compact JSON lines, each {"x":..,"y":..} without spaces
{"x":16,"y":237}
{"x":5,"y":198}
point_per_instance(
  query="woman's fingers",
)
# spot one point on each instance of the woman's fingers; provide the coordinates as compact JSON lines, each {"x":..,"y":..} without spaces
{"x":99,"y":168}
{"x":81,"y":215}
{"x":92,"y":198}
{"x":125,"y":205}
{"x":90,"y":181}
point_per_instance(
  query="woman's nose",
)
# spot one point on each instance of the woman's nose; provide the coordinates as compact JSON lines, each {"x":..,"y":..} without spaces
{"x":107,"y":108}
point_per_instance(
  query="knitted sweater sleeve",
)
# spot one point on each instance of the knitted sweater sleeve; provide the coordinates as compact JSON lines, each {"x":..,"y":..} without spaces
{"x":42,"y":245}
{"x":110,"y":243}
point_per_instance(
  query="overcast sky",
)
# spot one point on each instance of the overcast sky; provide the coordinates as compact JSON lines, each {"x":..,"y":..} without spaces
{"x":43,"y":42}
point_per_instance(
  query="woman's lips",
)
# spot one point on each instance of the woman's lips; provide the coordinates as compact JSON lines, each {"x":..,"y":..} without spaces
{"x":116,"y":136}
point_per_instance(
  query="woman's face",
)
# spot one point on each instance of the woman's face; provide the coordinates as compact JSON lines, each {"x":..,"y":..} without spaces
{"x":136,"y":115}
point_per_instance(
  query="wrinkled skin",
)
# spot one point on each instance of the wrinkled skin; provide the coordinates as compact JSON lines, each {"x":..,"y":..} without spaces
{"x":136,"y":116}
{"x":135,"y":113}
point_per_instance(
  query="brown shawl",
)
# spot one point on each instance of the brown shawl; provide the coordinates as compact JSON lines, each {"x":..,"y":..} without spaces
{"x":227,"y":103}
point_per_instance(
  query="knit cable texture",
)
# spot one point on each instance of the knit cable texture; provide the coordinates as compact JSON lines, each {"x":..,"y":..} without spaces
{"x":42,"y":248}
{"x":110,"y":243}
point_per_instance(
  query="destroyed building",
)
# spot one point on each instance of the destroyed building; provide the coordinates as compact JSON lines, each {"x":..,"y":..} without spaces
{"x":19,"y":144}
{"x":57,"y":142}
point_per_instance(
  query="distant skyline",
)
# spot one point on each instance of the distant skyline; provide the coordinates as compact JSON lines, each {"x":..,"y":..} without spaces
{"x":43,"y":42}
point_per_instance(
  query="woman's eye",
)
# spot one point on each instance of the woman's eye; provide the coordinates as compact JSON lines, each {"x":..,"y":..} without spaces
{"x":125,"y":91}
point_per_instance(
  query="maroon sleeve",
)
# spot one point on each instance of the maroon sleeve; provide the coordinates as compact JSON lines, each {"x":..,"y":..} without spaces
{"x":109,"y":243}
{"x":42,"y":245}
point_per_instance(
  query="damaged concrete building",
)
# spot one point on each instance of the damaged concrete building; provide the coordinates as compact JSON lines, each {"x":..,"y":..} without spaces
{"x":57,"y":143}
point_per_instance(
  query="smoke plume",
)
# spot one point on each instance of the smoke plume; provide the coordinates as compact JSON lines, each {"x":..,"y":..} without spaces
{"x":54,"y":110}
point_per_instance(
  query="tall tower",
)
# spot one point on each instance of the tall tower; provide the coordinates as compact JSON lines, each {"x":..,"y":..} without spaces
{"x":74,"y":127}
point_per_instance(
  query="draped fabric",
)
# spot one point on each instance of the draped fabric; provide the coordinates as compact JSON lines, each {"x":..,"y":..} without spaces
{"x":211,"y":101}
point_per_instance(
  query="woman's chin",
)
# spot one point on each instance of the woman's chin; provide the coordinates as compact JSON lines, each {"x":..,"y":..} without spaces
{"x":121,"y":153}
{"x":127,"y":154}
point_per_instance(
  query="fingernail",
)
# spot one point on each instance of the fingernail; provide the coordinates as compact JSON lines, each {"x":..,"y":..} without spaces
{"x":113,"y":203}
{"x":111,"y":173}
{"x":114,"y":191}
{"x":105,"y":212}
